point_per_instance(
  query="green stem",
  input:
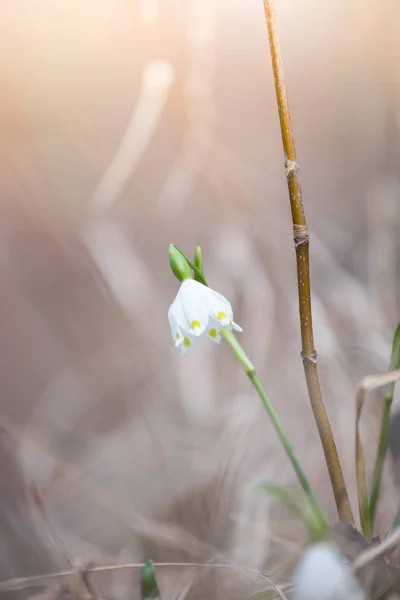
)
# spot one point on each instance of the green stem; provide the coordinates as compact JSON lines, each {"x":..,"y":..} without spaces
{"x":384,"y":430}
{"x":250,"y":371}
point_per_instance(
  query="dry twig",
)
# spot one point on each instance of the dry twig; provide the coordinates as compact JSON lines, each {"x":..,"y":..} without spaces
{"x":21,"y":583}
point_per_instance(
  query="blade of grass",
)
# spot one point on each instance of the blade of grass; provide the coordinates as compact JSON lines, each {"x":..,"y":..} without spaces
{"x":384,"y":430}
{"x":148,"y":583}
{"x":369,"y":383}
{"x":301,"y":242}
{"x":362,"y":489}
{"x":316,"y":529}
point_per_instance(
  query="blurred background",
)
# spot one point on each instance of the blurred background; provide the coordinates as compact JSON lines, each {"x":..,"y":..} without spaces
{"x":126,"y":125}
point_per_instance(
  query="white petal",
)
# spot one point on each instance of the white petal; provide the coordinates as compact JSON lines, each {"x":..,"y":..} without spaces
{"x":188,"y":343}
{"x":212,"y":331}
{"x":178,"y":339}
{"x":236,"y":327}
{"x":220,"y":308}
{"x":194,"y":309}
{"x":175,"y":318}
{"x":172,"y":321}
{"x":179,"y":326}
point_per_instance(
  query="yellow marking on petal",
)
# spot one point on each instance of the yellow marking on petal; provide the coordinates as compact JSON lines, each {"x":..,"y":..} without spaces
{"x":186,"y":342}
{"x":195,"y":324}
{"x":178,"y":336}
{"x":221,"y":316}
{"x":213,"y":333}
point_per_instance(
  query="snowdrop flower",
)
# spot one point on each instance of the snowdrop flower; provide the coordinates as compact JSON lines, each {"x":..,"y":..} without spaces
{"x":198,"y":311}
{"x":323,"y":575}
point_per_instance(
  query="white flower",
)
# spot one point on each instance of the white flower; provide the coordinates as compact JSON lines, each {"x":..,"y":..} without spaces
{"x":322,"y":574}
{"x":198,"y":311}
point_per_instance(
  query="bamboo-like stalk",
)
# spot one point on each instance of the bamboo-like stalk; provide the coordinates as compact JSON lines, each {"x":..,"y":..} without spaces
{"x":301,"y":242}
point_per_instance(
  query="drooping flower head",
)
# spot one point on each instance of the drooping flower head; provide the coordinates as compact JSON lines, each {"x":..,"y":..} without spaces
{"x":198,"y":311}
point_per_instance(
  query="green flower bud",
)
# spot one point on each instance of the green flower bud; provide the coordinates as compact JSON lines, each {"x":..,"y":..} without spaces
{"x":199,"y":265}
{"x":179,"y":265}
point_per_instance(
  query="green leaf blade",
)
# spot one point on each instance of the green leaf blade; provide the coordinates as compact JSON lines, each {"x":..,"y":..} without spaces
{"x":148,"y":583}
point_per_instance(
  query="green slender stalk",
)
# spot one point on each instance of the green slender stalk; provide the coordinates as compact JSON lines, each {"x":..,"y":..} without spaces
{"x":251,"y":373}
{"x":301,"y":242}
{"x":384,"y":430}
